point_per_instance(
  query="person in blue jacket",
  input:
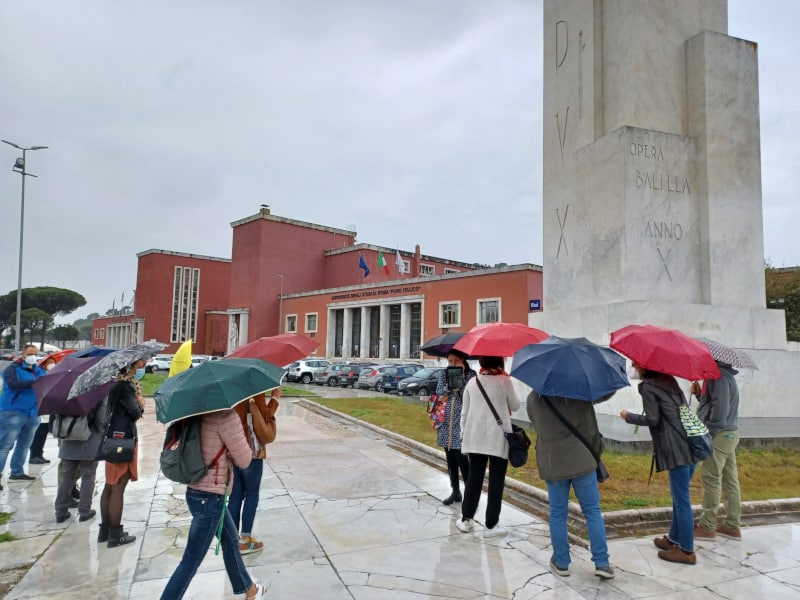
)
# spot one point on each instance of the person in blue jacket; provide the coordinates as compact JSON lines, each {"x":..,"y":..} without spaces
{"x":19,"y":415}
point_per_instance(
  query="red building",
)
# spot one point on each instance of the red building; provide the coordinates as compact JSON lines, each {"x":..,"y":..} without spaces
{"x":286,"y":275}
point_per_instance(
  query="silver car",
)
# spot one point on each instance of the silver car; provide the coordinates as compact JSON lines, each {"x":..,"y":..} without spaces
{"x":305,"y":370}
{"x":370,"y":377}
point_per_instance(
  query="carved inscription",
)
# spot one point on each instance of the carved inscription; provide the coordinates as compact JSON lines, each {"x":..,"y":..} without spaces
{"x":562,"y":42}
{"x":646,"y":151}
{"x":667,"y":231}
{"x":562,"y":133}
{"x":562,"y":224}
{"x":656,"y":180}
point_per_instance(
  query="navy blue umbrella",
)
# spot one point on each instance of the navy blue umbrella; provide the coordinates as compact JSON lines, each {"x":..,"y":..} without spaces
{"x":570,"y":368}
{"x":90,"y":351}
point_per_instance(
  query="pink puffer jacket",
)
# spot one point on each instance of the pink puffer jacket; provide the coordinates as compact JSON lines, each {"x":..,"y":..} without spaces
{"x":220,"y":429}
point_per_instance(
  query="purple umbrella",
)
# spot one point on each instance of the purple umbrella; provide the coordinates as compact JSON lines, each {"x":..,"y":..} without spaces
{"x":52,"y":389}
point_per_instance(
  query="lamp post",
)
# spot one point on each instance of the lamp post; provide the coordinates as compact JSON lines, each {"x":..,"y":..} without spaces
{"x":280,"y":306}
{"x":19,"y":167}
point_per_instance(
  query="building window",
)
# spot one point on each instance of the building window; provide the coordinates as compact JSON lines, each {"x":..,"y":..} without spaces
{"x":406,"y":266}
{"x":291,"y":323}
{"x":311,"y":322}
{"x":488,"y":311}
{"x":97,"y":334}
{"x":450,"y":271}
{"x":185,"y":295}
{"x":426,"y":270}
{"x":449,"y":314}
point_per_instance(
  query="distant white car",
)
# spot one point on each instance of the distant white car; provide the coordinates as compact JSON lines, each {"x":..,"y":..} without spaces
{"x":198,"y":359}
{"x":161,"y":362}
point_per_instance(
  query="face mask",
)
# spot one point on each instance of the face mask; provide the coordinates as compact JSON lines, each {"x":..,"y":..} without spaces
{"x":139,"y":373}
{"x":633,"y":372}
{"x":30,"y":359}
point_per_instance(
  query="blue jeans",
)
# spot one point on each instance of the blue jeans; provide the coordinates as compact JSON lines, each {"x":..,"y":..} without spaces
{"x":246,"y":486}
{"x":588,"y":495}
{"x":206,"y":509}
{"x":16,"y":427}
{"x":681,"y":531}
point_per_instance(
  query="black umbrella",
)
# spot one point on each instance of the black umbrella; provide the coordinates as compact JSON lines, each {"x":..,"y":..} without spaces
{"x":441,"y":344}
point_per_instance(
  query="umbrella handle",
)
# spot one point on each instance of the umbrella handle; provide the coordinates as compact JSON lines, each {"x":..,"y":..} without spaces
{"x":222,"y":519}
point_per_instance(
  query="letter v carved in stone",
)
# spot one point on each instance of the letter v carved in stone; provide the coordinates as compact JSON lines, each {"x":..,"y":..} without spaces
{"x":562,"y":134}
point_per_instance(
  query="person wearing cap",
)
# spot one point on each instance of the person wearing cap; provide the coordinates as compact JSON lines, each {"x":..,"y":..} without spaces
{"x":19,"y":415}
{"x":40,"y":437}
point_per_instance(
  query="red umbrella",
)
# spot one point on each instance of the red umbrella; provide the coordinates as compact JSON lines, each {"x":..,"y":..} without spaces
{"x":57,"y":356}
{"x":498,"y":339}
{"x":277,"y":349}
{"x":666,"y":351}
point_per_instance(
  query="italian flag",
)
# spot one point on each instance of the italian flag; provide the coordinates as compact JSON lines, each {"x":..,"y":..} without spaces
{"x":382,"y":263}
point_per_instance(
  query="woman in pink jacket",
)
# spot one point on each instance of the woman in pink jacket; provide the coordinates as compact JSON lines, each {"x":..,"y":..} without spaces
{"x":205,"y":498}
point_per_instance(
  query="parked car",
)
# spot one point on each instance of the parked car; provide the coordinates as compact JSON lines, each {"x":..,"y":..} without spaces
{"x":421,"y":383}
{"x":198,"y":359}
{"x":304,"y":370}
{"x":393,"y":375}
{"x":369,"y":377}
{"x":332,"y":374}
{"x":349,"y":376}
{"x":161,"y":362}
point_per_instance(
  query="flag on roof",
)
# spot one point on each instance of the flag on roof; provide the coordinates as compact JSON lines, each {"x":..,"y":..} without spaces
{"x":382,"y":263}
{"x":401,"y":265}
{"x":362,"y":264}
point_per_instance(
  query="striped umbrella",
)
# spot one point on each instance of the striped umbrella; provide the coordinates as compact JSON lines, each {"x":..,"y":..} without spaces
{"x":730,"y":356}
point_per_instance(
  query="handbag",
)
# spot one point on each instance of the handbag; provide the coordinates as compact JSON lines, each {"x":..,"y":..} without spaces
{"x":601,"y":470}
{"x":117,"y":450}
{"x":437,"y":407}
{"x":265,"y":428}
{"x":695,"y":432}
{"x":518,"y":440}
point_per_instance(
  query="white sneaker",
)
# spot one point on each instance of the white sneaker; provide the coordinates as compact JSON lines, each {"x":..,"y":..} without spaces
{"x":465,"y":526}
{"x":261,"y":590}
{"x":496,"y":531}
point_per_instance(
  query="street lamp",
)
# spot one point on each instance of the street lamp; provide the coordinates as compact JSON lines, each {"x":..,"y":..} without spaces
{"x":280,"y":306}
{"x":19,"y":167}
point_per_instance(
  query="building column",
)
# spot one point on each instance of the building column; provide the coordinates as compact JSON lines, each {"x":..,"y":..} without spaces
{"x":405,"y":334}
{"x":383,"y":344}
{"x":330,"y":335}
{"x":347,"y":333}
{"x":364,"y":342}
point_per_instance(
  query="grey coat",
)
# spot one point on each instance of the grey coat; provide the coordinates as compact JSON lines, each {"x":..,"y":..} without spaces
{"x":76,"y":450}
{"x":719,"y":405}
{"x":661,"y":397}
{"x":559,"y":454}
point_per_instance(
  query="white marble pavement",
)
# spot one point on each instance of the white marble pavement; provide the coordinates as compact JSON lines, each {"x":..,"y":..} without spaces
{"x":344,"y":515}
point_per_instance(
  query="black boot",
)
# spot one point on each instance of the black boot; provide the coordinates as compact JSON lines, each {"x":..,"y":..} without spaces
{"x":117,"y":537}
{"x":454,"y":497}
{"x":102,"y":533}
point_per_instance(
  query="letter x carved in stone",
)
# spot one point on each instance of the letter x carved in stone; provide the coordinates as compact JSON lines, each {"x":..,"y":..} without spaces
{"x":562,"y":224}
{"x":664,"y":261}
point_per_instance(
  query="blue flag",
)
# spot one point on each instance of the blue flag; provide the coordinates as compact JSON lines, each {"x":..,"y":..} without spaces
{"x":362,"y":264}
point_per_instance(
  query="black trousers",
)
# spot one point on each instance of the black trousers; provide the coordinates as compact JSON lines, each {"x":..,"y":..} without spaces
{"x":455,"y":462}
{"x":497,"y":481}
{"x":39,"y":438}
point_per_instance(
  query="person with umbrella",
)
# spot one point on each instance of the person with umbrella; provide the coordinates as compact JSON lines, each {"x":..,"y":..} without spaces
{"x":719,"y":410}
{"x":19,"y":416}
{"x":125,"y":407}
{"x":483,"y":439}
{"x":448,"y":436}
{"x":36,"y":456}
{"x":564,"y":461}
{"x":662,"y":398}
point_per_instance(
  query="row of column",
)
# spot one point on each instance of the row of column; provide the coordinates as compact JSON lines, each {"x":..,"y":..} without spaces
{"x":363,"y":343}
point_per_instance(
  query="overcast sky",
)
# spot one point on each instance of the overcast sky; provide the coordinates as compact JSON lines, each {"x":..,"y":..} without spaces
{"x":168,"y":120}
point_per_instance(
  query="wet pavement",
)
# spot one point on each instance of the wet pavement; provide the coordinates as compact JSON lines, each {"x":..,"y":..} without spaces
{"x":343,"y":514}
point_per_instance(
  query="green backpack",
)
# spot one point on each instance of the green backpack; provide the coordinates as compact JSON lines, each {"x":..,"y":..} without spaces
{"x":181,"y":456}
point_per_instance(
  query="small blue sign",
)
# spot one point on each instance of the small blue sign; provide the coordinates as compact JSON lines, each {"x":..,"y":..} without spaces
{"x":535,"y":304}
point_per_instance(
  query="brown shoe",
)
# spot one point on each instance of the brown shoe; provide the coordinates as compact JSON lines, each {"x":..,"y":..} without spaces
{"x":701,"y":533}
{"x":663,"y":543}
{"x":733,"y":533}
{"x":248,"y":545}
{"x":677,"y":555}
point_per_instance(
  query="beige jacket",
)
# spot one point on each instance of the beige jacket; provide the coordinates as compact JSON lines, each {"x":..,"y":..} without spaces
{"x":218,"y":429}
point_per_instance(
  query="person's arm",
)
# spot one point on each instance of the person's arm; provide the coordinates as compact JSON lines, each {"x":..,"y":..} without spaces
{"x":651,"y":415}
{"x":719,"y":394}
{"x":13,"y":382}
{"x":512,"y":398}
{"x":441,"y":385}
{"x":234,"y":439}
{"x":127,"y":400}
{"x":465,"y":402}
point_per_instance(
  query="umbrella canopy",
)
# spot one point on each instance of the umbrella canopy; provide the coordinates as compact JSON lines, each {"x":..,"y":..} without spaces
{"x":94,"y":351}
{"x":108,"y":367}
{"x":182,"y":359}
{"x":666,"y":351}
{"x":570,"y":368}
{"x":730,"y":356}
{"x":441,"y":344}
{"x":214,"y":385}
{"x":277,"y":349}
{"x":57,"y":356}
{"x":498,"y":339}
{"x":53,"y":389}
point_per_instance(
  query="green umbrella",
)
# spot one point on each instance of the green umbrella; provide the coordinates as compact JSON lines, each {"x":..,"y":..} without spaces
{"x":214,"y":385}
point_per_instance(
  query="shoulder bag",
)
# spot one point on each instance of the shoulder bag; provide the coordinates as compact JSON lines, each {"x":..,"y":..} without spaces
{"x":518,"y":440}
{"x":602,"y":471}
{"x":694,"y":432}
{"x":119,"y":441}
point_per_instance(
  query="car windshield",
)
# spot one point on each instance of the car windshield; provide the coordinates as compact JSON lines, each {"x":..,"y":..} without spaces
{"x":423,"y":373}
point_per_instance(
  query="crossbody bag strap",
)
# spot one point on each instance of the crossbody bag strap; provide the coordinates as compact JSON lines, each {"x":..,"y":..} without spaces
{"x":491,"y":406}
{"x":569,"y":426}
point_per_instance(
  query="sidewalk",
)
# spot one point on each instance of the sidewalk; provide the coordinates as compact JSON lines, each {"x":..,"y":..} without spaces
{"x":344,"y":516}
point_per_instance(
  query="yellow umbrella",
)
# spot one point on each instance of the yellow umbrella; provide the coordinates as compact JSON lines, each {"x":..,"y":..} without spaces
{"x":182,"y":359}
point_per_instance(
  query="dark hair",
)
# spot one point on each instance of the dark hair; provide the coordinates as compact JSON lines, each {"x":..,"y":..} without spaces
{"x":491,"y":362}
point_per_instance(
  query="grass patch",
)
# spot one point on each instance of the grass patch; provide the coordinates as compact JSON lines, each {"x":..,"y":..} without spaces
{"x":7,"y":537}
{"x":763,"y":474}
{"x":5,"y":517}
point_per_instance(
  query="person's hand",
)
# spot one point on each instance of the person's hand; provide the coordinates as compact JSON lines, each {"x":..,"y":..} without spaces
{"x":694,"y":388}
{"x":623,"y":413}
{"x":140,"y":400}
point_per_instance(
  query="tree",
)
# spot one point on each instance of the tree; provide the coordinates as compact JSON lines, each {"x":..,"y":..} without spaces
{"x":51,"y":300}
{"x":36,"y":322}
{"x":85,"y":326}
{"x":783,"y":291}
{"x":62,"y":333}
